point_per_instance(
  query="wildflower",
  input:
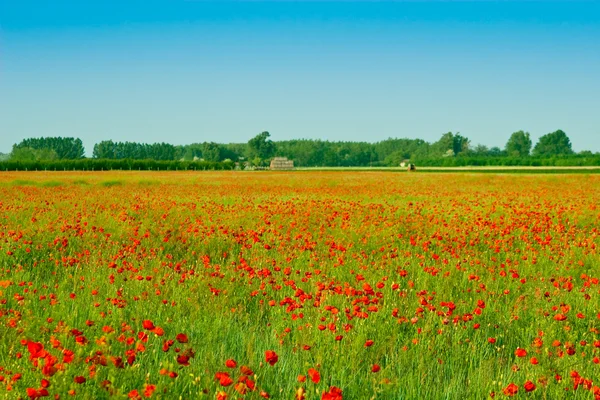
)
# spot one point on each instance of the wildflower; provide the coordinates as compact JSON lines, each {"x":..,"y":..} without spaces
{"x":271,"y":357}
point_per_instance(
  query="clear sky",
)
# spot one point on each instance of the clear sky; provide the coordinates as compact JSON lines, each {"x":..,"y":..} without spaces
{"x":192,"y":71}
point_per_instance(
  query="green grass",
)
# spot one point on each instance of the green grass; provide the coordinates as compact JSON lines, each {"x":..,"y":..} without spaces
{"x":232,"y":260}
{"x":111,"y":183}
{"x":22,"y":182}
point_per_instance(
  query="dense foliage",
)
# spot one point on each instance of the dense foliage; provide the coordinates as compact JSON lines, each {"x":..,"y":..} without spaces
{"x":49,"y":148}
{"x":552,"y":144}
{"x":137,"y":151}
{"x":452,"y":149}
{"x":92,"y":164}
{"x":519,"y":144}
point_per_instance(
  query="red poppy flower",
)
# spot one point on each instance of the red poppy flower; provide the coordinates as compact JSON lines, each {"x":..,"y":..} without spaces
{"x":183,"y":359}
{"x":334,"y":393}
{"x":36,"y":350}
{"x":271,"y":357}
{"x":223,"y":378}
{"x":511,"y":390}
{"x":560,"y":317}
{"x":182,"y":338}
{"x":32,"y":393}
{"x":148,"y":325}
{"x":519,"y":352}
{"x":314,"y":375}
{"x":158,"y":331}
{"x":246,"y":370}
{"x":534,"y":361}
{"x":529,"y":386}
{"x":148,"y":390}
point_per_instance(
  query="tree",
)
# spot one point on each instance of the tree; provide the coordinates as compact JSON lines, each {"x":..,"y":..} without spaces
{"x":461,"y":144}
{"x":23,"y":154}
{"x":136,"y":151}
{"x":481,"y":150}
{"x":29,"y":154}
{"x":496,"y":152}
{"x":104,"y":149}
{"x":553,"y":144}
{"x":235,"y":151}
{"x":519,"y":144}
{"x":261,"y":146}
{"x":192,"y":151}
{"x":450,"y":141}
{"x":445,"y":143}
{"x":64,"y":148}
{"x":396,"y":149}
{"x":211,"y":151}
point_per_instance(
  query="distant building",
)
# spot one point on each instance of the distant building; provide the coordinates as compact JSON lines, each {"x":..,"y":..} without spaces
{"x":281,"y":164}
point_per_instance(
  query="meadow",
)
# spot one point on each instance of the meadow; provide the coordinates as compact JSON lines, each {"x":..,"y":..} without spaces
{"x":299,"y":285}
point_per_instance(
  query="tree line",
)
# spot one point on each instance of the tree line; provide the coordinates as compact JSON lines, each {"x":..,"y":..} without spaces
{"x":48,"y":148}
{"x":452,"y":149}
{"x":96,"y":164}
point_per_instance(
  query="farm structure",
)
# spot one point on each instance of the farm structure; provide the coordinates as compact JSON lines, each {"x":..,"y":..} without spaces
{"x":281,"y":164}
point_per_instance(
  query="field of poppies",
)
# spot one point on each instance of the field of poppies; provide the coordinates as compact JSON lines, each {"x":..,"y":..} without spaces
{"x":303,"y":285}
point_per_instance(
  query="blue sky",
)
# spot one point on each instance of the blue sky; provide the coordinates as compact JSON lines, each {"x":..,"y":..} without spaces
{"x":193,"y":71}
